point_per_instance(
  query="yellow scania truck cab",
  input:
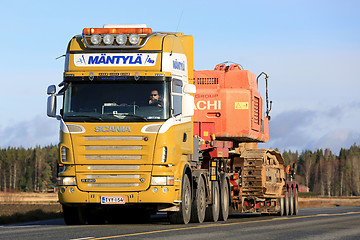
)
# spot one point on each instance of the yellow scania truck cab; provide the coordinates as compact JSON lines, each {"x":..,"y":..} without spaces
{"x":126,"y":137}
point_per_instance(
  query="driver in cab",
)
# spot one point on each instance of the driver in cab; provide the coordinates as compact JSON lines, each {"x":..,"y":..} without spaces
{"x":155,"y":99}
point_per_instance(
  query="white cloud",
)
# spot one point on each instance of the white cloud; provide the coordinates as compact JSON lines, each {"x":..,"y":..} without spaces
{"x":36,"y":131}
{"x":339,"y":138}
{"x":332,"y":128}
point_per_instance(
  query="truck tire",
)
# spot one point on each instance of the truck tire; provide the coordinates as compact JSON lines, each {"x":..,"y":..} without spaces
{"x":286,"y":203}
{"x":199,"y":203}
{"x":224,"y":201}
{"x":291,"y":202}
{"x":296,"y":202}
{"x":184,"y":214}
{"x":74,"y":215}
{"x":213,"y":210}
{"x":282,"y":207}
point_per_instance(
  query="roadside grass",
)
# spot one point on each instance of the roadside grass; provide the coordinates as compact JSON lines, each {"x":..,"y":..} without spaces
{"x":307,"y":194}
{"x":25,"y":207}
{"x":34,"y":215}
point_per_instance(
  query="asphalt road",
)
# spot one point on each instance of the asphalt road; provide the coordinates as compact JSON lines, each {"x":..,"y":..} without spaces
{"x":311,"y":223}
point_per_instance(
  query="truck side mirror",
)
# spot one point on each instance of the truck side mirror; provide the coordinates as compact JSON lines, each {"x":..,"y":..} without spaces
{"x":51,"y":90}
{"x":51,"y":102}
{"x":190,"y":89}
{"x":188,"y":105}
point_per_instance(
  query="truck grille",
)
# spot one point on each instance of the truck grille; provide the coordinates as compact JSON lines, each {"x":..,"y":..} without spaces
{"x":113,"y":163}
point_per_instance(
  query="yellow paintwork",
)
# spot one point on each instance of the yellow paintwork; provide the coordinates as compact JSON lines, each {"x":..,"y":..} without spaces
{"x":177,"y":43}
{"x":149,"y":164}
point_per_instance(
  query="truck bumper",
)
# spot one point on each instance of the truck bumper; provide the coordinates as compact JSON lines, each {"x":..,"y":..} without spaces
{"x":155,"y":194}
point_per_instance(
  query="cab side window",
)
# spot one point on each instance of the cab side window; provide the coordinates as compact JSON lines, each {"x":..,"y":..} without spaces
{"x":176,"y":93}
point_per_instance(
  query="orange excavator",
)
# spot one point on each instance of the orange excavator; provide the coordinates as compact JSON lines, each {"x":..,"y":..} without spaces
{"x":229,"y":123}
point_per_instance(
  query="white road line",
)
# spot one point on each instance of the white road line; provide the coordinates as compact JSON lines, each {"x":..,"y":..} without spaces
{"x":82,"y":238}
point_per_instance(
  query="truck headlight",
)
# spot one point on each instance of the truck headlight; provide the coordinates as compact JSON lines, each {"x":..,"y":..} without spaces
{"x":162,"y":181}
{"x":67,"y":181}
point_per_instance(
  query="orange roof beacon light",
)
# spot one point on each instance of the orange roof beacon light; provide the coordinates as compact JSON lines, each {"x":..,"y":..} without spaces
{"x":117,"y":36}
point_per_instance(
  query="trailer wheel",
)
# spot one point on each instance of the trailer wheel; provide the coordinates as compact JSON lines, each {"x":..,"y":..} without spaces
{"x":286,"y":203}
{"x":199,"y":204}
{"x":183,"y":215}
{"x":291,"y":202}
{"x":282,"y":207}
{"x":296,"y":202}
{"x":74,"y":215}
{"x":213,"y":210}
{"x":224,"y":201}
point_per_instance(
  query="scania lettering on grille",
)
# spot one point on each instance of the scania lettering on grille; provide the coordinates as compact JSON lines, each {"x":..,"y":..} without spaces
{"x":109,"y":59}
{"x":112,"y":129}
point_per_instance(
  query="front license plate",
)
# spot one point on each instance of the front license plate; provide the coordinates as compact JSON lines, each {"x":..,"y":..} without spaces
{"x":112,"y":199}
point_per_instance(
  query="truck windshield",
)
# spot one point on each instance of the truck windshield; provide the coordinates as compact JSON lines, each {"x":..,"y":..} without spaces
{"x":113,"y":102}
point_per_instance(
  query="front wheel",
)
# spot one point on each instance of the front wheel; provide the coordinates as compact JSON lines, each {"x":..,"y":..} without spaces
{"x":184,"y":214}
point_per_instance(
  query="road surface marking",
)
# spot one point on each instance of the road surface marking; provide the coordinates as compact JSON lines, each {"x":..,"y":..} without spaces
{"x":219,"y":225}
{"x":84,"y":238}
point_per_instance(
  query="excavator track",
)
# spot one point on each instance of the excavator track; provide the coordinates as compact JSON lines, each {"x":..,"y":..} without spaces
{"x":263,"y":174}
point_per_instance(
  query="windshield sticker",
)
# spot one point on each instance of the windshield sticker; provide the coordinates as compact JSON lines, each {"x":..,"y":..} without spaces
{"x":115,"y":59}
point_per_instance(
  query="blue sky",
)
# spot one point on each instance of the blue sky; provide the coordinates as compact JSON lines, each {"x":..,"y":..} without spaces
{"x":310,"y":49}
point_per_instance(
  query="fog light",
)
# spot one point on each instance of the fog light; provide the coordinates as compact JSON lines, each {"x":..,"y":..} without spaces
{"x":108,"y":39}
{"x":95,"y":39}
{"x":134,"y":39}
{"x":121,"y":39}
{"x":155,"y":189}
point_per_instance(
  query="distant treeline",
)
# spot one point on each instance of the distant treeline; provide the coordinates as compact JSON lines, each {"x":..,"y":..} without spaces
{"x":327,"y":174}
{"x":321,"y":171}
{"x":28,"y":170}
